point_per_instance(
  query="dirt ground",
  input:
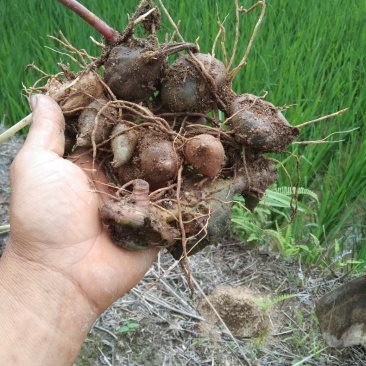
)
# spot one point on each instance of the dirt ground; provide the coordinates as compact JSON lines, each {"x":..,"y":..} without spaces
{"x":265,"y":302}
{"x":8,"y":150}
{"x":241,"y":283}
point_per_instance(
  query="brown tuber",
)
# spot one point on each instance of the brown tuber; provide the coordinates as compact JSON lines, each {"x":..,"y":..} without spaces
{"x":259,"y":124}
{"x":76,"y":93}
{"x":159,"y":161}
{"x":213,"y":219}
{"x":186,"y":89}
{"x":133,"y":71}
{"x":155,"y":161}
{"x":206,"y":154}
{"x":123,"y":145}
{"x":135,"y":224}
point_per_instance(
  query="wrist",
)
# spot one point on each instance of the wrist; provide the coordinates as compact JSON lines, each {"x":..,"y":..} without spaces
{"x":53,"y":314}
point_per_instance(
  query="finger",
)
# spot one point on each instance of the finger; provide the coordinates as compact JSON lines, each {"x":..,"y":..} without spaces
{"x":47,"y":128}
{"x":116,"y":270}
{"x":133,"y":266}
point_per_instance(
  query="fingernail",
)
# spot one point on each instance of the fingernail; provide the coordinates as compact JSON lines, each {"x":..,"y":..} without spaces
{"x":33,"y":101}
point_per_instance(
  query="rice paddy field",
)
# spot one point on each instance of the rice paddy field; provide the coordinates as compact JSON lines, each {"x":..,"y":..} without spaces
{"x":310,"y":55}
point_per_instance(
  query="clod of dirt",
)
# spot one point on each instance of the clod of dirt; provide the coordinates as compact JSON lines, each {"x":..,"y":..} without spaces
{"x":260,"y":124}
{"x":186,"y":89}
{"x":133,"y":70}
{"x":206,"y":154}
{"x":135,"y":224}
{"x":236,"y":307}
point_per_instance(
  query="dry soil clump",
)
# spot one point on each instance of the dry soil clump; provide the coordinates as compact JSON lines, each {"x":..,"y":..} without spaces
{"x":235,"y":306}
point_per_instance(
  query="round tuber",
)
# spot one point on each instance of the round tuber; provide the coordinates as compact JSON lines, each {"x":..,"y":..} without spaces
{"x":184,"y":88}
{"x":155,"y":161}
{"x":206,"y":154}
{"x":259,"y":124}
{"x":133,"y":71}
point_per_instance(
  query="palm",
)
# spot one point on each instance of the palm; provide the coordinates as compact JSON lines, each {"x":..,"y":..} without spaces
{"x":60,"y":218}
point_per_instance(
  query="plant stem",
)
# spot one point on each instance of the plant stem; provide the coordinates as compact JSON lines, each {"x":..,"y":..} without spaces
{"x":17,"y":127}
{"x":4,"y":228}
{"x":103,"y":28}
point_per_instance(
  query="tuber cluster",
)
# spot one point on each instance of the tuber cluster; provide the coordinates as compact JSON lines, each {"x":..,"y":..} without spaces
{"x":175,"y":141}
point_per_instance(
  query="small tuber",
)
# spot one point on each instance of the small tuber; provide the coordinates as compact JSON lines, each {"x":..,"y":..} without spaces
{"x":206,"y":154}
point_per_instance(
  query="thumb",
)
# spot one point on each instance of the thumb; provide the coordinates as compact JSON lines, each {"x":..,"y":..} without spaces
{"x":47,"y":128}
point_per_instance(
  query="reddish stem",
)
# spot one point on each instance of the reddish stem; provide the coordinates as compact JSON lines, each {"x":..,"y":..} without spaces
{"x":109,"y":33}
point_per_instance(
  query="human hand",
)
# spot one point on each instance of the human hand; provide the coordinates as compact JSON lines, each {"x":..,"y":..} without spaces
{"x":55,"y":214}
{"x":58,"y":244}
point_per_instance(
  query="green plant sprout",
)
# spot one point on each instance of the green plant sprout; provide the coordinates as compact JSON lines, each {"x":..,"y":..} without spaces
{"x":127,"y":327}
{"x":268,"y":302}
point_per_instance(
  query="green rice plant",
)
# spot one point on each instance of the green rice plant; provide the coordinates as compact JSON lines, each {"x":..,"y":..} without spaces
{"x":321,"y":74}
{"x":280,"y":198}
{"x":341,"y":190}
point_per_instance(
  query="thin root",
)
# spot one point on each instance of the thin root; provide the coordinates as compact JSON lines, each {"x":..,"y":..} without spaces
{"x":323,"y":141}
{"x":243,"y":61}
{"x":322,"y":118}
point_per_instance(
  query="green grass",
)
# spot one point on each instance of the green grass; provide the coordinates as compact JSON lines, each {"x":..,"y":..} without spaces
{"x":309,"y":53}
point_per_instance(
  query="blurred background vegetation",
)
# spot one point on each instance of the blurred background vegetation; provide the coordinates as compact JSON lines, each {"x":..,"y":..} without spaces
{"x":308,"y":53}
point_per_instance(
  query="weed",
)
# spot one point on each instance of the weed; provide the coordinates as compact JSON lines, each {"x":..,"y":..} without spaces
{"x":199,"y":342}
{"x":261,"y":337}
{"x":127,"y":327}
{"x":269,"y":302}
{"x":257,"y":226}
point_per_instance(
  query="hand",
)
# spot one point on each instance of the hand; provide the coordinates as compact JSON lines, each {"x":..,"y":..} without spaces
{"x":57,"y":237}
